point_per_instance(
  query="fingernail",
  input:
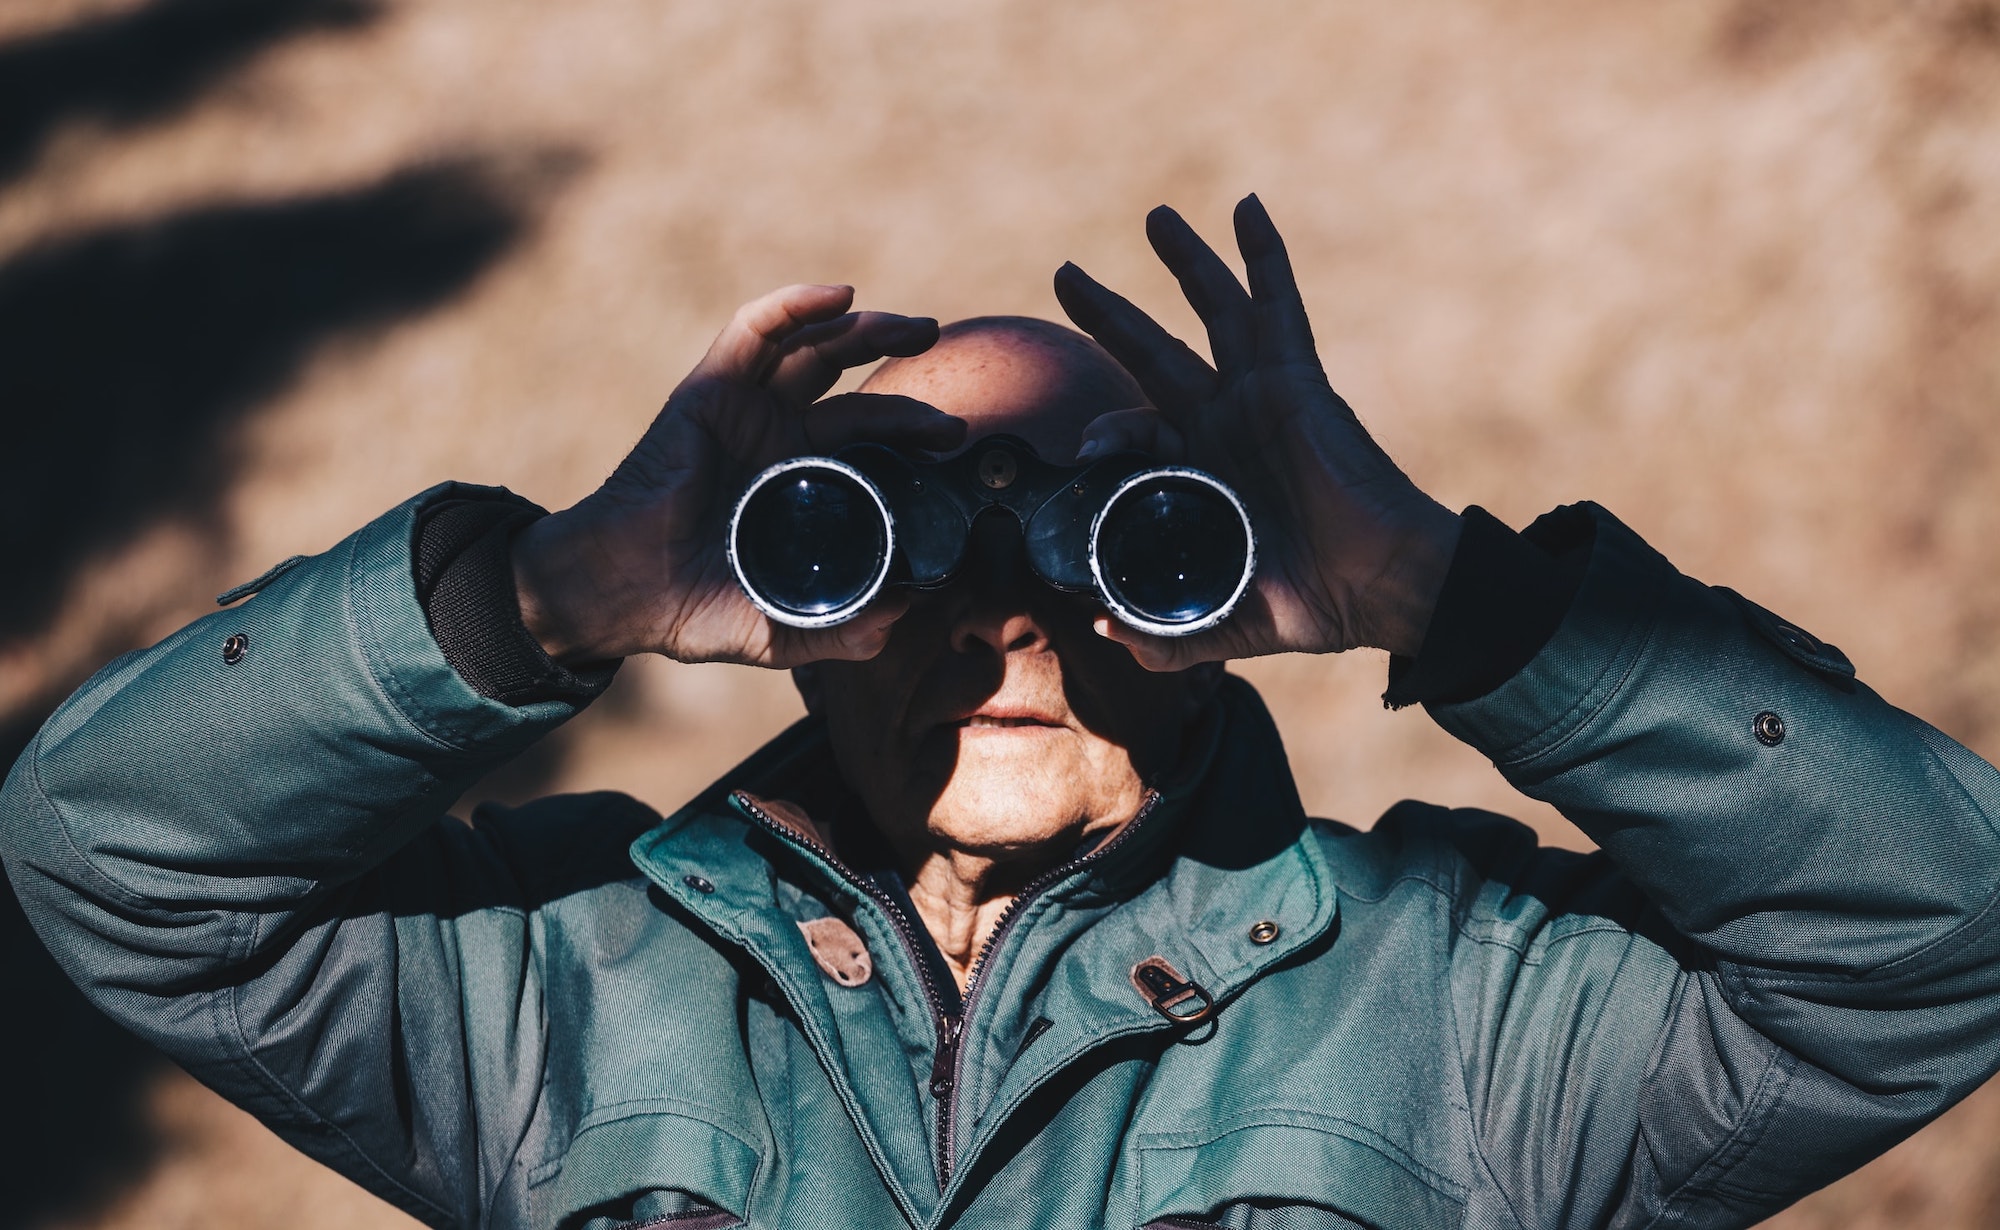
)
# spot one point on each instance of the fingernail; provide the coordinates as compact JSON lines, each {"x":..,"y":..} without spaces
{"x":1091,"y":448}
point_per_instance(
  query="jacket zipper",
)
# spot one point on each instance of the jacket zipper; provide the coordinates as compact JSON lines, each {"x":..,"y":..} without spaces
{"x":1036,"y":887}
{"x":946,"y":1023}
{"x":947,"y":1053}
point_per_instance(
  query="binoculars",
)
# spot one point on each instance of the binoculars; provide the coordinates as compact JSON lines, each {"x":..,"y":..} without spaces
{"x":1167,"y":549}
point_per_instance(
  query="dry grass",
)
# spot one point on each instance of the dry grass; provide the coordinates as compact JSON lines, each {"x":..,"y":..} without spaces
{"x":1727,"y":266}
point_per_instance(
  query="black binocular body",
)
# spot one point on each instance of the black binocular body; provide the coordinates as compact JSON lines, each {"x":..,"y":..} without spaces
{"x":1167,"y":549}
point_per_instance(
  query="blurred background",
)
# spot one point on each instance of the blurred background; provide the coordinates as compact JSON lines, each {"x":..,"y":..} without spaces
{"x":268,"y":267}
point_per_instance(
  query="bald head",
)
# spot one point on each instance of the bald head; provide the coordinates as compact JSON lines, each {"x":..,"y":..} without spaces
{"x":1017,"y":374}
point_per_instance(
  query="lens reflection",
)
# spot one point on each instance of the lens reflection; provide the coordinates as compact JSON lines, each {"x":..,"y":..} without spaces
{"x":811,"y":541}
{"x":1172,"y":550}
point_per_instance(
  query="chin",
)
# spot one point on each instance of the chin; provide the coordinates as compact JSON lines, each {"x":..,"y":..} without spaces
{"x":992,"y":812}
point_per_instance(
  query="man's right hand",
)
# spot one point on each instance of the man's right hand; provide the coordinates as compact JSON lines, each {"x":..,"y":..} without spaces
{"x":639,"y":566}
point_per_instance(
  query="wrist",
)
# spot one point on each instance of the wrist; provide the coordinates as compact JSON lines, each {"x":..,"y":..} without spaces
{"x":550,"y":584}
{"x":1405,"y":595}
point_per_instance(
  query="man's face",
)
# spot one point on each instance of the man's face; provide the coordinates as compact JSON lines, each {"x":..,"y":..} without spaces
{"x":996,"y":721}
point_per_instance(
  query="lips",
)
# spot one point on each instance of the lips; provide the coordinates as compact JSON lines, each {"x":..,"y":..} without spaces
{"x":1009,"y":712}
{"x":987,"y":721}
{"x":963,"y":695}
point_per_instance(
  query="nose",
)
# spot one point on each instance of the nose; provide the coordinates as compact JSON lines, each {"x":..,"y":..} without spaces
{"x":1000,"y":604}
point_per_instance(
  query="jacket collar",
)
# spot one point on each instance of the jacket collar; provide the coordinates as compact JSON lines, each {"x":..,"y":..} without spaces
{"x":1221,"y":881}
{"x":1221,"y":850}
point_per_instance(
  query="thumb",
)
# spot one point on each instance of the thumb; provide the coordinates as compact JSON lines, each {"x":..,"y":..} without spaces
{"x":1163,"y":653}
{"x":856,"y":640}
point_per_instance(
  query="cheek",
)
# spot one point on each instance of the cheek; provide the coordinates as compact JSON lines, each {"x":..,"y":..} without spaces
{"x":1142,"y":712}
{"x":857,"y":708}
{"x":864,"y":700}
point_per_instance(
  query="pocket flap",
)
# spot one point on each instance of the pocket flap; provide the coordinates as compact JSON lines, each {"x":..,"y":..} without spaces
{"x":616,"y":1161}
{"x":1292,"y":1157}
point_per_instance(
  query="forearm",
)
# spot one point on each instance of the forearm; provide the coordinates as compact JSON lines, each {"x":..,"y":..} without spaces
{"x":178,"y":780}
{"x":1839,"y":865}
{"x":1826,"y":978}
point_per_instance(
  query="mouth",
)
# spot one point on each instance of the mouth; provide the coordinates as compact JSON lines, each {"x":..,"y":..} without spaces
{"x":987,"y":721}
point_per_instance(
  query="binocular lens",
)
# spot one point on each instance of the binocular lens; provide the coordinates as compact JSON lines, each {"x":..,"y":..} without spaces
{"x":1172,"y":550}
{"x":812,"y":542}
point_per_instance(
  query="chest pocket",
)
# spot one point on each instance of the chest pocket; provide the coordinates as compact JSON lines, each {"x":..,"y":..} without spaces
{"x":1288,"y":1170}
{"x":656,"y":1166}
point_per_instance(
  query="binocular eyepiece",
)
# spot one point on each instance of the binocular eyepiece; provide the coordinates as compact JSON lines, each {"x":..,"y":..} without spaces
{"x":1167,"y":549}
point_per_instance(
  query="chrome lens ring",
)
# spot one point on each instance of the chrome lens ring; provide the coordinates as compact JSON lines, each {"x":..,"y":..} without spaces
{"x":1134,"y":619}
{"x":846,"y":611}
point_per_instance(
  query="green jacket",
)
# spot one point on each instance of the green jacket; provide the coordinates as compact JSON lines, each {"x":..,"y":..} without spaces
{"x":1784,"y":960}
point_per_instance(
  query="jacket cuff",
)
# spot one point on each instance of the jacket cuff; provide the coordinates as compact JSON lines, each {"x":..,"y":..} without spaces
{"x":1503,"y":597}
{"x":394,"y":639}
{"x":1597,"y":638}
{"x":464,"y":576}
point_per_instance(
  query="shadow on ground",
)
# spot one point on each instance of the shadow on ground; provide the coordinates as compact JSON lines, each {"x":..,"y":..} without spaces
{"x":144,"y":65}
{"x":128,"y":357}
{"x":130,"y":353}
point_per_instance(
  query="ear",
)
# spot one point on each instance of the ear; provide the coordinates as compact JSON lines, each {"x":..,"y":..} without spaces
{"x":806,"y":680}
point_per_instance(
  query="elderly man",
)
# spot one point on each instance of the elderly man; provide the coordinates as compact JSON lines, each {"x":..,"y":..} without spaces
{"x":1024,"y":925}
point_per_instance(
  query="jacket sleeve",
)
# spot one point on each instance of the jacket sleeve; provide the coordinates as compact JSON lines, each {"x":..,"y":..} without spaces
{"x":1793,"y":965}
{"x":242,"y":855}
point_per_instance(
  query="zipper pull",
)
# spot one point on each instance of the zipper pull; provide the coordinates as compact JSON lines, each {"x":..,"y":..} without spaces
{"x":944,"y":1069}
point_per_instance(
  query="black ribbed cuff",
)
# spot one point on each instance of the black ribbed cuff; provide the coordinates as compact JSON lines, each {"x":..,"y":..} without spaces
{"x":1503,"y":597}
{"x":465,"y":583}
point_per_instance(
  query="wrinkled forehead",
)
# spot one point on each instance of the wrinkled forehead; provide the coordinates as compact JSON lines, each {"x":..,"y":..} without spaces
{"x":1032,"y":378}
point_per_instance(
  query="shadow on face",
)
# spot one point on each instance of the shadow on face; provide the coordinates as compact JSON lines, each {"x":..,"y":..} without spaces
{"x":996,"y":721}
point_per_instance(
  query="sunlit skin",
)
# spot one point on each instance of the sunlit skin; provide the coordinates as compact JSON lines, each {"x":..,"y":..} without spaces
{"x":991,"y":726}
{"x":997,"y":729}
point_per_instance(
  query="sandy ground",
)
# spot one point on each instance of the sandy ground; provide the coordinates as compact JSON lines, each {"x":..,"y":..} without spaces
{"x":1726,"y":266}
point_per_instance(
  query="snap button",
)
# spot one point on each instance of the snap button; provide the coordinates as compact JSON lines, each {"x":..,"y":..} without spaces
{"x":1263,"y":932}
{"x":1797,"y":644}
{"x":234,"y":647}
{"x":698,"y":884}
{"x":1769,"y":728}
{"x":1799,"y":638}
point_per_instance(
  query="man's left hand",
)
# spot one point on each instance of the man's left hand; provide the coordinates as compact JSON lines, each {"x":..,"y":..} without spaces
{"x":1350,"y":552}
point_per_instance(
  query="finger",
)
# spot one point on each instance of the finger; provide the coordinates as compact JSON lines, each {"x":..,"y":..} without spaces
{"x":1141,"y":429}
{"x":1249,"y":632}
{"x":857,"y":640}
{"x":884,"y":418}
{"x":749,"y":345}
{"x":1283,"y":329}
{"x":1211,"y":289}
{"x":1164,"y":653}
{"x":814,"y":357}
{"x":1173,"y":376}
